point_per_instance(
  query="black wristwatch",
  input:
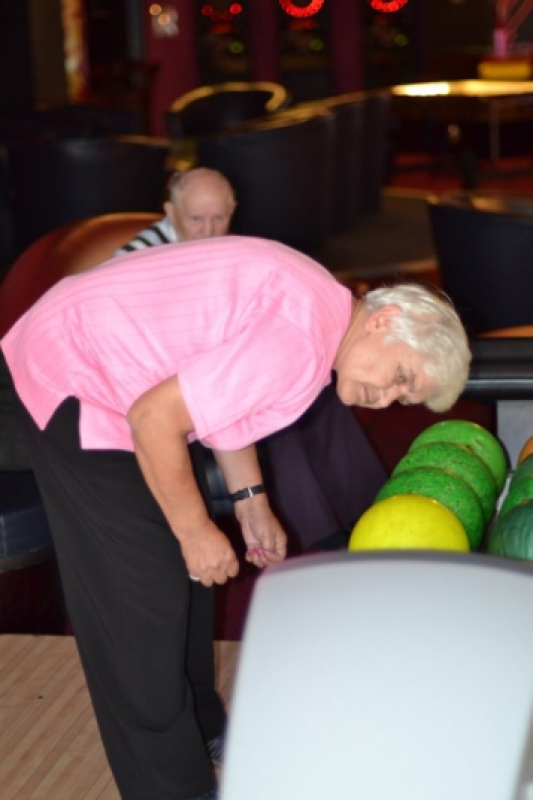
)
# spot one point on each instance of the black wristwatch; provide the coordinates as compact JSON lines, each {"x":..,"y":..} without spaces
{"x":249,"y":491}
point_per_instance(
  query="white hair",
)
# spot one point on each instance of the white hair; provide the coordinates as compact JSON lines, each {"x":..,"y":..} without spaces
{"x":429,"y":324}
{"x":179,"y":181}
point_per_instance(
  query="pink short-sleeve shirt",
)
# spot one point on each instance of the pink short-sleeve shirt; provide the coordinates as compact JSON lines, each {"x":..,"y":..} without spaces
{"x":250,"y":328}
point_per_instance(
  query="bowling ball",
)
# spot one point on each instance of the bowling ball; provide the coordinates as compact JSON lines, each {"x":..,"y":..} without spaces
{"x":474,"y":437}
{"x":408,"y":522}
{"x":526,"y":451}
{"x":450,"y":490}
{"x":518,"y":492}
{"x":512,"y":534}
{"x":523,"y":471}
{"x":460,"y":461}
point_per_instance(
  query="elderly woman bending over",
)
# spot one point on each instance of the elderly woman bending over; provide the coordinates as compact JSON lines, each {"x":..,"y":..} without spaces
{"x":224,"y":340}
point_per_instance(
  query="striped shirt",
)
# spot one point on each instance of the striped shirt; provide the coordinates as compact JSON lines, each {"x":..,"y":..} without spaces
{"x":161,"y":232}
{"x":250,"y":327}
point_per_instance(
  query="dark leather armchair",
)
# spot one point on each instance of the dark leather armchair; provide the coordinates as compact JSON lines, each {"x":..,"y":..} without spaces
{"x":282,"y":172}
{"x":211,"y":109}
{"x":361,"y":122}
{"x":55,"y":182}
{"x":6,"y":225}
{"x":484,"y":247}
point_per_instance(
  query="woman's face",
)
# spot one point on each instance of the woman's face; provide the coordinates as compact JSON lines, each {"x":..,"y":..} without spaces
{"x":374,"y":374}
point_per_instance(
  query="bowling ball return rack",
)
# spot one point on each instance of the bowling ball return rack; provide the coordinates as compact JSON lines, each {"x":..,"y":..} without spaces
{"x":501,"y":372}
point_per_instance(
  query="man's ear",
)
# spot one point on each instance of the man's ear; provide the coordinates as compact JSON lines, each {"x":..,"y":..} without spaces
{"x":380,"y":319}
{"x":168,"y":208}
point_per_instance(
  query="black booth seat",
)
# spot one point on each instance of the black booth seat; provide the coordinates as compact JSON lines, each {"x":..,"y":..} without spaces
{"x":31,"y":597}
{"x":51,"y":183}
{"x":6,"y":225}
{"x":347,"y":184}
{"x":209,"y":110}
{"x":282,"y":172}
{"x":24,"y":532}
{"x":484,"y":247}
{"x":360,"y":152}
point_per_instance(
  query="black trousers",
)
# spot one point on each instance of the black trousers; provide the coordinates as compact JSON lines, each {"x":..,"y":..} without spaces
{"x":144,"y":630}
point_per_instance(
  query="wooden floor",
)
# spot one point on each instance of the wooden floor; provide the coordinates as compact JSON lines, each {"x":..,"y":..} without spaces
{"x":50,"y":748}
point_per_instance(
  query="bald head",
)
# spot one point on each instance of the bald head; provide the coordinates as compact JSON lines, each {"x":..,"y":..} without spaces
{"x":201,"y":204}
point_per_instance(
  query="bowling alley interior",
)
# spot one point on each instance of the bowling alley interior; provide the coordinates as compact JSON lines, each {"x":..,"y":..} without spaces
{"x":391,"y":141}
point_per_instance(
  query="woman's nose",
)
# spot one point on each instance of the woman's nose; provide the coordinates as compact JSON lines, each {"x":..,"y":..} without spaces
{"x":389,"y":396}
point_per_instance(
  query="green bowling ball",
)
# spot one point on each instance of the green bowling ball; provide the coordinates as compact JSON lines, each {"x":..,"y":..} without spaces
{"x":460,"y":461}
{"x":445,"y":487}
{"x":473,"y":436}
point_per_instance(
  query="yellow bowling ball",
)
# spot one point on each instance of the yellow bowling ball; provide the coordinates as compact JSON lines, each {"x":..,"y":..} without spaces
{"x":408,"y":522}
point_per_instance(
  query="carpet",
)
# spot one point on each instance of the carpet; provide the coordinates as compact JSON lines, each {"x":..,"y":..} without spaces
{"x":421,"y":173}
{"x":392,"y":241}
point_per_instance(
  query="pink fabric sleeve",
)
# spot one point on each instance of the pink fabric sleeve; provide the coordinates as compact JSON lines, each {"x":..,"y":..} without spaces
{"x":253,"y":384}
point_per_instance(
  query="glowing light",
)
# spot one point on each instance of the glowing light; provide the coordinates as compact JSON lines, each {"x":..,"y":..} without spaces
{"x":294,"y":10}
{"x":236,"y":48}
{"x":423,"y":89}
{"x":387,"y":6}
{"x":164,"y":20}
{"x":235,"y":8}
{"x":76,"y":67}
{"x":303,"y":24}
{"x":222,"y":29}
{"x":316,"y":45}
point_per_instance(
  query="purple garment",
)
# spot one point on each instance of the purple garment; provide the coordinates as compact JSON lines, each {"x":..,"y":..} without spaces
{"x":322,"y":472}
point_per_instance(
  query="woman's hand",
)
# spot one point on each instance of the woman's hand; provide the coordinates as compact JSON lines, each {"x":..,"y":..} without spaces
{"x":265,"y":539}
{"x":159,"y":423}
{"x":208,"y":555}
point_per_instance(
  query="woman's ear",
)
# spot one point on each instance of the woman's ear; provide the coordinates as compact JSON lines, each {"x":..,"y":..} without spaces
{"x":380,"y":319}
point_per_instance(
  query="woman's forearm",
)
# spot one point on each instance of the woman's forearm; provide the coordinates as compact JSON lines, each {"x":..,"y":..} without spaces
{"x":240,"y":468}
{"x":159,"y":424}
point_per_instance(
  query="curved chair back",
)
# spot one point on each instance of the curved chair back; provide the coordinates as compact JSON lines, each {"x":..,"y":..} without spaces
{"x":484,"y":246}
{"x":55,"y":182}
{"x":282,"y":172}
{"x":360,"y":153}
{"x":375,"y":148}
{"x":212,"y":109}
{"x":347,"y":179}
{"x":6,"y":224}
{"x":405,"y":675}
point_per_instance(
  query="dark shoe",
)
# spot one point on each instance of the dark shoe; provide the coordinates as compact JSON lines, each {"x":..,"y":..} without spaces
{"x":215,"y":748}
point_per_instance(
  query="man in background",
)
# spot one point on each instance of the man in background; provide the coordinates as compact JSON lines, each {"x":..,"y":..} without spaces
{"x":200,"y":205}
{"x":321,"y":473}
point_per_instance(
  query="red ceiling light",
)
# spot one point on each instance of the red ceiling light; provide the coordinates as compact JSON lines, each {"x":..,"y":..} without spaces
{"x":387,"y":6}
{"x":301,"y":10}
